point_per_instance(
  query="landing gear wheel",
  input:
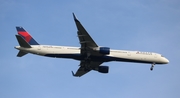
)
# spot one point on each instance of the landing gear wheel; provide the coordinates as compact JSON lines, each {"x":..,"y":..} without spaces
{"x":152,"y":67}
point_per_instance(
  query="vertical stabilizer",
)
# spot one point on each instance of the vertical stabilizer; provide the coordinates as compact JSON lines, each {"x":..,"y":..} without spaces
{"x":28,"y":38}
{"x":22,"y":42}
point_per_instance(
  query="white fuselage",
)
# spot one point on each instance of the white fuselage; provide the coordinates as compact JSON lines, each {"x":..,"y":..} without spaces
{"x":115,"y":55}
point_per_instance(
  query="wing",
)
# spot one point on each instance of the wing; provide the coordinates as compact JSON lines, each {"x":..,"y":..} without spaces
{"x":86,"y":67}
{"x":85,"y":39}
{"x":87,"y":45}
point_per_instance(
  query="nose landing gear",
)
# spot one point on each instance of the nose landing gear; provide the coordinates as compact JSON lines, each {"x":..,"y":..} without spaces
{"x":152,"y":66}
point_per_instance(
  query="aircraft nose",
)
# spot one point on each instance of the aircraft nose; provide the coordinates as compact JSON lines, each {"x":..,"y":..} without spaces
{"x":166,"y":61}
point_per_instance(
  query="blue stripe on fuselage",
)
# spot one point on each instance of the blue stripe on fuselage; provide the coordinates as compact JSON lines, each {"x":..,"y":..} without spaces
{"x":79,"y":57}
{"x":96,"y":58}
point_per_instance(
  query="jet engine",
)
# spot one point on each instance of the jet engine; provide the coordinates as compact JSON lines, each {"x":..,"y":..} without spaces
{"x":103,"y":50}
{"x":103,"y":69}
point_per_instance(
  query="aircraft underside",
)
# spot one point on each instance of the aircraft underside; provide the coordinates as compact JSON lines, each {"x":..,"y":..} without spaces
{"x":95,"y":58}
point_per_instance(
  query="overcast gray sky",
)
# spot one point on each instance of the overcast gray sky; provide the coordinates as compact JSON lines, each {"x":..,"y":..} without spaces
{"x":144,"y":25}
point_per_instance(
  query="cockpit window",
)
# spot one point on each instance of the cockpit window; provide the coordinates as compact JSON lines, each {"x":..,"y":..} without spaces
{"x":162,"y":56}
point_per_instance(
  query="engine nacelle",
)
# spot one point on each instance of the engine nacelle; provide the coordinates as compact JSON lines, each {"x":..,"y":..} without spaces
{"x":103,"y":69}
{"x":103,"y":50}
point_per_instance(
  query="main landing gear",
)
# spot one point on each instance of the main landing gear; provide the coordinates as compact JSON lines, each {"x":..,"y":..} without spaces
{"x":152,"y":66}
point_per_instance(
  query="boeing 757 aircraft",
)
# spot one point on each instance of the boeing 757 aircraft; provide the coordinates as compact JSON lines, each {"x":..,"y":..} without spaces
{"x":90,"y":55}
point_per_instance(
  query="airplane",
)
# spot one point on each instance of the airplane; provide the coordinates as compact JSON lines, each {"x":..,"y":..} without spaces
{"x":90,"y":55}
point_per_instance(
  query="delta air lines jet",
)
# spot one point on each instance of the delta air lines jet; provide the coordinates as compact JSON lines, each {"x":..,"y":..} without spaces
{"x":90,"y":55}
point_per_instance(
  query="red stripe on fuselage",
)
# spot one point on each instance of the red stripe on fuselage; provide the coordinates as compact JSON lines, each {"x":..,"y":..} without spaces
{"x":25,"y":35}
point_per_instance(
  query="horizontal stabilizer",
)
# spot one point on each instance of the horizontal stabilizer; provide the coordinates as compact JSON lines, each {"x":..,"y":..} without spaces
{"x":21,"y":53}
{"x":22,"y":42}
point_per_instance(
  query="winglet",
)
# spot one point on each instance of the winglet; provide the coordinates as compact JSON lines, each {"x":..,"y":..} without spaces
{"x":73,"y":74}
{"x":75,"y":19}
